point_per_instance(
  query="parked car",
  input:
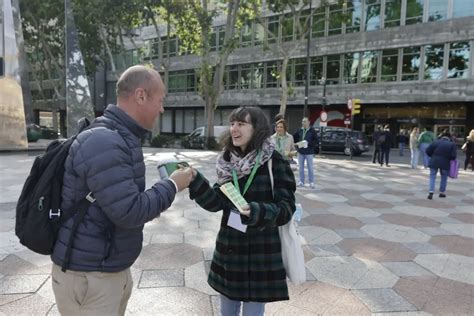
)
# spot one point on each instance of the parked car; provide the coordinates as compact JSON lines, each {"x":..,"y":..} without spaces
{"x":35,"y":132}
{"x":344,"y":140}
{"x":197,"y":137}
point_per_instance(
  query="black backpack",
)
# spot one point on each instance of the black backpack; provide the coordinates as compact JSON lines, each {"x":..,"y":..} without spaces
{"x":38,"y":211}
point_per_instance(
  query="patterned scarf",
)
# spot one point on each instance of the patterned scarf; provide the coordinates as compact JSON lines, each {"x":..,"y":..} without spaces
{"x":242,"y":165}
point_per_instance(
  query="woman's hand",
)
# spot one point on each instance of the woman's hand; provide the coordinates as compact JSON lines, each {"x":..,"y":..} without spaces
{"x":245,"y":210}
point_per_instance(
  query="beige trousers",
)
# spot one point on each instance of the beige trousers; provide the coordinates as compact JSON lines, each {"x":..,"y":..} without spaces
{"x":91,"y":293}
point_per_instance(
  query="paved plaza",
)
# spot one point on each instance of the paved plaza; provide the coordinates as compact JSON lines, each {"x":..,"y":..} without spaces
{"x":373,"y":244}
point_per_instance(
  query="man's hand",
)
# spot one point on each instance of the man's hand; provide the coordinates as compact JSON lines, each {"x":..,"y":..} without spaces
{"x":245,"y":210}
{"x":182,"y":178}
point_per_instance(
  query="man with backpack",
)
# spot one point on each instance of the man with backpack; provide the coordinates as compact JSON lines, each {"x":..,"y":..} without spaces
{"x":105,"y":162}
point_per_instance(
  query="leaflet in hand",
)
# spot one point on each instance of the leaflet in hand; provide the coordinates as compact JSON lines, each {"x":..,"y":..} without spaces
{"x":234,"y":196}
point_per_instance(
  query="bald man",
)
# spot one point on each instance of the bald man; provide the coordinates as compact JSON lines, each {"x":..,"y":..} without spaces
{"x":106,"y":162}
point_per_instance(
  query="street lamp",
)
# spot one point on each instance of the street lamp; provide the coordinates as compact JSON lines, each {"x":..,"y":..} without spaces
{"x":322,"y":82}
{"x":308,"y":62}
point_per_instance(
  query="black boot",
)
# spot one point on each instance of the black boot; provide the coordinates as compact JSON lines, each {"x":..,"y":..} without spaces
{"x":430,"y":196}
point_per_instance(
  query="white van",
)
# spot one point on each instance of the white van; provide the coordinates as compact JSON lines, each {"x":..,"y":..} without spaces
{"x":197,"y":137}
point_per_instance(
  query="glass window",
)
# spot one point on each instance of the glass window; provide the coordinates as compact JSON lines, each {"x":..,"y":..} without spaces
{"x":389,"y":65}
{"x":167,"y":121}
{"x":171,"y":44}
{"x":438,"y":10}
{"x":213,"y":40}
{"x":335,"y":19}
{"x":450,"y":111}
{"x":333,"y":69}
{"x":414,"y":12}
{"x":188,"y":121}
{"x":354,"y":9}
{"x":257,"y":75}
{"x":272,"y":74}
{"x":316,"y":70}
{"x":221,"y":37}
{"x":368,"y":72}
{"x":287,"y":25}
{"x":178,"y":121}
{"x":434,"y":57}
{"x":393,"y":10}
{"x":177,"y":81}
{"x":233,"y":77}
{"x":273,"y":27}
{"x":245,"y":76}
{"x":411,"y":63}
{"x":246,"y":35}
{"x":200,"y":118}
{"x":304,"y":23}
{"x":259,"y":34}
{"x":463,"y":8}
{"x":351,"y":67}
{"x":191,"y":80}
{"x":372,"y":15}
{"x":300,"y":72}
{"x":319,"y":21}
{"x":459,"y":60}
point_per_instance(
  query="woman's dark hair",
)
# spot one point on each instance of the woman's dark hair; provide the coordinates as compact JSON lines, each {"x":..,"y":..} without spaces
{"x":261,"y":130}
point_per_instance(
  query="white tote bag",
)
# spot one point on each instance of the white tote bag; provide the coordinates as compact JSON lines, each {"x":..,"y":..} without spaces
{"x":291,"y":250}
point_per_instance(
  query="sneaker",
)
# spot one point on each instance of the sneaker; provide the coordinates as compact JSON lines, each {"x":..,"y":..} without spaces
{"x":301,"y":184}
{"x":430,"y":196}
{"x":387,"y":165}
{"x":311,"y":185}
{"x":442,"y":195}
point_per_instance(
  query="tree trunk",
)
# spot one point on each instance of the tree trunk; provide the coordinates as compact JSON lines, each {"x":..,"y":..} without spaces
{"x":284,"y":85}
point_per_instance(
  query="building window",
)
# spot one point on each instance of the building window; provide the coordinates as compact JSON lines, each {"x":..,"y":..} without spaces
{"x":271,"y":74}
{"x":414,"y":12}
{"x":246,"y":35}
{"x":182,"y":81}
{"x":319,"y":22}
{"x":335,"y":19}
{"x":372,"y":15}
{"x":257,"y":75}
{"x":213,"y":40}
{"x":458,"y":66}
{"x":354,"y":9}
{"x":389,"y":65}
{"x":287,"y":28}
{"x":368,"y":72}
{"x":300,"y":72}
{"x":233,"y":82}
{"x":259,"y":34}
{"x":245,"y":76}
{"x":316,"y":70}
{"x":411,"y":63}
{"x":188,"y":120}
{"x":438,"y":10}
{"x":393,"y":10}
{"x":434,"y":57}
{"x":178,"y":121}
{"x":351,"y":67}
{"x":463,"y":8}
{"x":304,"y":23}
{"x":167,"y":121}
{"x":273,"y":27}
{"x":333,"y":69}
{"x":220,"y":36}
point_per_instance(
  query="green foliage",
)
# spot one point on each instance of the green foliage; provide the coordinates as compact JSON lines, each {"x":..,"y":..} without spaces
{"x":162,"y":141}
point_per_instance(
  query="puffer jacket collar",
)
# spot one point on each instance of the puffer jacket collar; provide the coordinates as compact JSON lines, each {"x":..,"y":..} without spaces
{"x":119,"y":116}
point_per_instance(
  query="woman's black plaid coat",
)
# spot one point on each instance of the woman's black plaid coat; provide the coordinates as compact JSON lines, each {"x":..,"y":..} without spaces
{"x":248,"y":266}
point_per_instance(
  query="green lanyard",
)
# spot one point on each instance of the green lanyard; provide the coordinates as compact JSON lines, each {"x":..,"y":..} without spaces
{"x":281,"y":141}
{"x":305,"y":130}
{"x":250,"y":179}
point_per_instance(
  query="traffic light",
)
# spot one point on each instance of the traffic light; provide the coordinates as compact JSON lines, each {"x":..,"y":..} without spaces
{"x":355,"y":106}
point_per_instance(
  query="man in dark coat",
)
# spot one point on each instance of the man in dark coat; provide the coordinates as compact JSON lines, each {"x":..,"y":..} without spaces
{"x":375,"y":138}
{"x":107,"y":161}
{"x":441,"y":152}
{"x":306,"y":140}
{"x":385,"y":143}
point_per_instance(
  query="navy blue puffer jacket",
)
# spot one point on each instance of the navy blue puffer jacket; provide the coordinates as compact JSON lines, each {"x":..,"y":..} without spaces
{"x":441,"y":152}
{"x":108,"y":161}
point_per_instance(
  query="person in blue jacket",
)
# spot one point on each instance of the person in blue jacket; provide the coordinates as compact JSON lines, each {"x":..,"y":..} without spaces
{"x":107,"y":160}
{"x":307,"y":138}
{"x":441,"y":152}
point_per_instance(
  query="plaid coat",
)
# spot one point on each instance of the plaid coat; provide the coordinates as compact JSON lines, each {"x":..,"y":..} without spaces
{"x":248,"y":266}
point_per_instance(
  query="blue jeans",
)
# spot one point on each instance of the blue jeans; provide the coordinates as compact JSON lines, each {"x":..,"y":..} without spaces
{"x":415,"y":155}
{"x":425,"y":157}
{"x":444,"y":180}
{"x":401,"y":147}
{"x":309,"y":162}
{"x":232,"y":308}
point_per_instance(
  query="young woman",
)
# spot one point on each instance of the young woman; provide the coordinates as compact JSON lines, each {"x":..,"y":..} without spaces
{"x":247,"y":265}
{"x":283,"y":140}
{"x":414,"y":150}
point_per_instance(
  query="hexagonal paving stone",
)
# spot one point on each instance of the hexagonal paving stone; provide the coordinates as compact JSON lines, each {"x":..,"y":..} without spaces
{"x":420,"y":211}
{"x":168,"y":256}
{"x":353,"y":211}
{"x":18,"y":284}
{"x":406,"y":269}
{"x":384,"y":300}
{"x":161,"y":278}
{"x":449,"y":266}
{"x":201,"y":238}
{"x":318,"y":236}
{"x":360,"y":202}
{"x":463,"y":217}
{"x":326,"y":197}
{"x":395,"y":233}
{"x":465,"y":230}
{"x":355,"y":187}
{"x":351,"y":272}
{"x":331,"y":221}
{"x":376,"y":249}
{"x":382,"y":197}
{"x":195,"y":277}
{"x":410,"y":220}
{"x":454,"y":244}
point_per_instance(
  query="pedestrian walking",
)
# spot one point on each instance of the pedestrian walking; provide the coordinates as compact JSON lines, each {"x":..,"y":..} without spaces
{"x":306,"y":140}
{"x":247,"y":267}
{"x":442,"y":151}
{"x":283,"y":140}
{"x":376,"y":145}
{"x":385,"y":143}
{"x":468,"y":147}
{"x":402,"y":140}
{"x":424,"y":140}
{"x":107,"y":161}
{"x":414,"y":150}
